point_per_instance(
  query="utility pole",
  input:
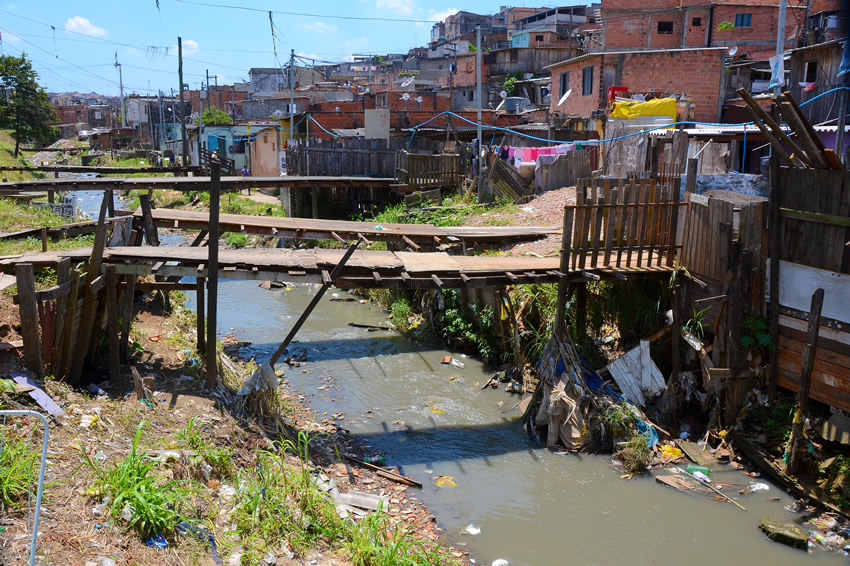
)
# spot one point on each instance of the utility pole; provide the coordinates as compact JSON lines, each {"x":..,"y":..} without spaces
{"x":182,"y":118}
{"x":481,"y":196}
{"x":201,"y":120}
{"x":219,"y":107}
{"x":780,"y":42}
{"x":291,"y":94}
{"x":161,"y":127}
{"x":121,"y":87}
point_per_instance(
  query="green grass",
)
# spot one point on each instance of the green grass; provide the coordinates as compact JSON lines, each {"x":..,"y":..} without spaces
{"x":155,"y":503}
{"x":33,"y":245}
{"x":14,"y":216}
{"x":219,"y":459}
{"x":134,"y":162}
{"x":8,"y":159}
{"x":236,"y":240}
{"x":18,"y":469}
{"x":453,"y":212}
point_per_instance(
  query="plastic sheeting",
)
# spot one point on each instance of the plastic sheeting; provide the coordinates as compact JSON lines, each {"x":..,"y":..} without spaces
{"x":657,"y":107}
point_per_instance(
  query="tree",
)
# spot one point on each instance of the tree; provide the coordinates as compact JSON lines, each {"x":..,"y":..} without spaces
{"x":725,"y":27}
{"x":24,"y":107}
{"x":213,"y":115}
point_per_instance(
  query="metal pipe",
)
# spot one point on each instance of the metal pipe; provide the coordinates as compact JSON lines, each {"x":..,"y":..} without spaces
{"x":780,"y":41}
{"x":481,"y":196}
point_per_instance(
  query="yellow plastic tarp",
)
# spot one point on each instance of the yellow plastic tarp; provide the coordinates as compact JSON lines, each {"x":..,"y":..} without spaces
{"x":656,"y":107}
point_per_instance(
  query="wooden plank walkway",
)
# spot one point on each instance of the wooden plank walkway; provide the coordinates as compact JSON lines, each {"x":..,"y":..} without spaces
{"x":197,"y":183}
{"x":365,"y":269}
{"x":425,"y":235}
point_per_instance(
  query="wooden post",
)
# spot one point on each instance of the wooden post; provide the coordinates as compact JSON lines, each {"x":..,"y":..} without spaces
{"x":112,"y":322}
{"x":314,"y":197}
{"x":63,"y":275}
{"x":43,"y":240}
{"x":199,"y":309}
{"x":88,"y":314}
{"x":68,"y":334}
{"x":147,"y":221}
{"x":212,"y":275}
{"x":127,"y":317}
{"x":566,"y":245}
{"x":110,"y":202}
{"x":774,"y":234}
{"x":581,"y":310}
{"x":691,"y":180}
{"x":795,"y":443}
{"x":675,"y":358}
{"x":29,"y":316}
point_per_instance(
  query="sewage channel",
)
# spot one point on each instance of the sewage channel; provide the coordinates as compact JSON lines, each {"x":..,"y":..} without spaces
{"x":534,"y":507}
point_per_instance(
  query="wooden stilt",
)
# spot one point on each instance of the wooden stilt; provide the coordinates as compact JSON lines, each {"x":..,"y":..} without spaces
{"x":212,"y":279}
{"x":68,"y":335}
{"x":199,"y":309}
{"x":151,"y":234}
{"x":127,"y":317}
{"x":89,"y":313}
{"x":29,"y":316}
{"x":112,"y":322}
{"x":566,"y":245}
{"x":63,"y":275}
{"x":774,"y":236}
{"x":581,"y":310}
{"x":795,"y":443}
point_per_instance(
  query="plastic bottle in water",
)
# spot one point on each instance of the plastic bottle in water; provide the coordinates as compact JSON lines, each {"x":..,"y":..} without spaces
{"x":701,"y":477}
{"x":691,"y":468}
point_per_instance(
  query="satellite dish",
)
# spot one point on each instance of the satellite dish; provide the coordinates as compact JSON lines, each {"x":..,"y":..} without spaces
{"x":408,"y":82}
{"x":277,"y":114}
{"x":733,"y":50}
{"x":337,"y":110}
{"x":499,"y":107}
{"x":419,"y":99}
{"x":565,"y":97}
{"x":405,"y":96}
{"x":503,"y":94}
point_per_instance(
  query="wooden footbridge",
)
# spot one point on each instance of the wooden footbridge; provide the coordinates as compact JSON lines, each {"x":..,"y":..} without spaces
{"x":415,"y":236}
{"x":620,"y":230}
{"x":194,"y":184}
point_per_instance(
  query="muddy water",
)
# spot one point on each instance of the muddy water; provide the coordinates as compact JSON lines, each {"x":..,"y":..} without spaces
{"x":534,"y":507}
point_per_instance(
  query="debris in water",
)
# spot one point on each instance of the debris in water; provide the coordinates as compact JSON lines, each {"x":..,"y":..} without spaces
{"x":437,"y":410}
{"x":445,"y":481}
{"x":457,"y":364}
{"x":470,"y":529}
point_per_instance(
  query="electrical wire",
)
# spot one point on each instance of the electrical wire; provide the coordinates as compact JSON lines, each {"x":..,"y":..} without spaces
{"x":301,"y":14}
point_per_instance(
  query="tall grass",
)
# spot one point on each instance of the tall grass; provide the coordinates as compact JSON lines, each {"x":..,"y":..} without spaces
{"x":18,"y":470}
{"x":155,"y":504}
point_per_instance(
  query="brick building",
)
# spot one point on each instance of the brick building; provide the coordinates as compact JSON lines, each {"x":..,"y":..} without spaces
{"x":679,"y":24}
{"x":672,"y":71}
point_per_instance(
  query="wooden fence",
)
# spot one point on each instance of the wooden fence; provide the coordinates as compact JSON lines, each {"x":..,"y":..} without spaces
{"x":565,"y":171}
{"x":810,"y":215}
{"x":424,"y":172}
{"x":227,"y":164}
{"x":627,"y":223}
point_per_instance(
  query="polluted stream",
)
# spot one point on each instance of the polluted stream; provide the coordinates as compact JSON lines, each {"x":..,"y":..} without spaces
{"x":533,"y":506}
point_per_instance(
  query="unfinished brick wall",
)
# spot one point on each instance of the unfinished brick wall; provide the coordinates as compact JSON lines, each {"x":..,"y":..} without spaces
{"x":697,"y":73}
{"x":400,"y":119}
{"x":671,"y":24}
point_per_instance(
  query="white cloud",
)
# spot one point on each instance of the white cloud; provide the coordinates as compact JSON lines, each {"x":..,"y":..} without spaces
{"x":12,"y":6}
{"x":222,"y":80}
{"x":133,"y":52}
{"x":81,"y":25}
{"x":397,"y":7}
{"x":10,"y":37}
{"x":441,"y":16}
{"x":320,"y":28}
{"x":307,"y":56}
{"x":190,"y":47}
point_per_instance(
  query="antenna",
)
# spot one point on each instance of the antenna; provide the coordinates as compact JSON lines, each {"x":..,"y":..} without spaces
{"x":405,"y":96}
{"x":503,"y":94}
{"x":408,"y":82}
{"x":733,"y":50}
{"x":565,"y":97}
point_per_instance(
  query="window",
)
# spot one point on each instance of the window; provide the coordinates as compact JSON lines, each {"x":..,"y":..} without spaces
{"x":565,"y":83}
{"x":696,"y":22}
{"x":811,"y":71}
{"x":471,"y":95}
{"x":665,"y":27}
{"x":743,"y":20}
{"x":538,"y":38}
{"x":587,"y":81}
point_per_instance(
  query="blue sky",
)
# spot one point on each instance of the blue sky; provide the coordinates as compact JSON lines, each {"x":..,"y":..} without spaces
{"x":78,"y":52}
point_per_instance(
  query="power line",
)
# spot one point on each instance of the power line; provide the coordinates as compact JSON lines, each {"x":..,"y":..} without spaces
{"x":330,"y":16}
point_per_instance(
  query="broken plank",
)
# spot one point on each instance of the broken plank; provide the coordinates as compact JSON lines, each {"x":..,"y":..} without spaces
{"x":398,"y":478}
{"x":696,"y":454}
{"x":39,"y":396}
